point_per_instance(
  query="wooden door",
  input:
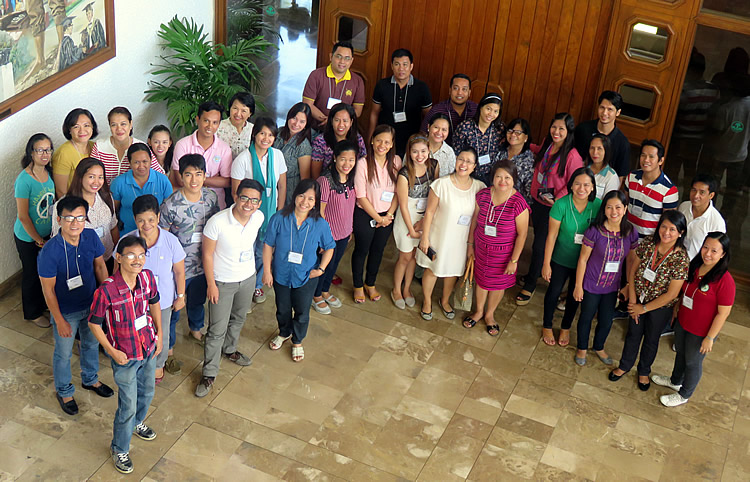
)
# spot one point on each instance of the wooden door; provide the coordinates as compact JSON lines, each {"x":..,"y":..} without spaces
{"x":362,"y":22}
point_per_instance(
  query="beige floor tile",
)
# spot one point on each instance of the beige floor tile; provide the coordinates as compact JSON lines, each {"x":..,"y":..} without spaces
{"x":204,"y":450}
{"x":445,"y":464}
{"x":439,"y":387}
{"x":524,"y":426}
{"x":507,"y":454}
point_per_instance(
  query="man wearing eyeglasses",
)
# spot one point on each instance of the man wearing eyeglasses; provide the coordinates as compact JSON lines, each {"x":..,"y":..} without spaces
{"x":70,"y":266}
{"x":335,"y":83}
{"x":229,"y":265}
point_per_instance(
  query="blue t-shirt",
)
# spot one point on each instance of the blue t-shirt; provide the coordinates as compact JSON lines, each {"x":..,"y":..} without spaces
{"x":125,"y":190}
{"x":283,"y":233}
{"x":62,"y":261}
{"x":41,"y":196}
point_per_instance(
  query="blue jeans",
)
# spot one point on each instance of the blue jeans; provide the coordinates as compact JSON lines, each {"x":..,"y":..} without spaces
{"x":195,"y":298}
{"x":688,"y":363}
{"x":324,"y":282}
{"x":89,"y":353}
{"x":259,"y":261}
{"x":605,"y":305}
{"x":135,"y":383}
{"x":293,"y":309}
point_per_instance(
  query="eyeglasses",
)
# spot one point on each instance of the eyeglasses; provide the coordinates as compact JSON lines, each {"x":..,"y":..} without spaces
{"x":516,"y":133}
{"x":132,"y":256}
{"x":70,"y":219}
{"x":252,"y":200}
{"x":43,"y":151}
{"x":341,"y":57}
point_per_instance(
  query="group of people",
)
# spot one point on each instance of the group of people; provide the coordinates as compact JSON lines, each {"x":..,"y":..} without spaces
{"x":142,"y":230}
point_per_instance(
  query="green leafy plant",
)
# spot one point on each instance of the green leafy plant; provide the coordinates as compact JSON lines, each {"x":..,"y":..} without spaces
{"x":245,"y":20}
{"x":195,"y":70}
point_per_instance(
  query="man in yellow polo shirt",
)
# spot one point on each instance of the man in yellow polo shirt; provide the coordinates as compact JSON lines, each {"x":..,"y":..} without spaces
{"x":327,"y":86}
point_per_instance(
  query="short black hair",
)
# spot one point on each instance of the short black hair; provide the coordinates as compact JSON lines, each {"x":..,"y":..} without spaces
{"x":343,"y":146}
{"x":131,"y":240}
{"x":613,"y":97}
{"x":460,"y":76}
{"x":138,"y":147}
{"x":70,"y":204}
{"x":209,"y":106}
{"x":402,"y":53}
{"x":72,"y":118}
{"x":708,"y":180}
{"x":145,"y":203}
{"x":250,"y":184}
{"x":246,"y":98}
{"x":262,"y":122}
{"x":583,"y":171}
{"x":192,"y":160}
{"x":653,"y":143}
{"x":342,"y":43}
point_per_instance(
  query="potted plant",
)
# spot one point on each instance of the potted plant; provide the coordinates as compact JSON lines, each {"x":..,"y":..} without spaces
{"x":195,"y":70}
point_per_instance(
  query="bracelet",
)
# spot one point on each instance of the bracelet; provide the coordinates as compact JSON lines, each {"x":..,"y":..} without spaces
{"x":389,"y":214}
{"x":712,"y":339}
{"x":470,"y":244}
{"x":514,"y":261}
{"x":644,"y":308}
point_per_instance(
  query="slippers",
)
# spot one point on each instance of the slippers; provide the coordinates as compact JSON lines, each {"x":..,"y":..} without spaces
{"x":448,"y":314}
{"x":277,"y":341}
{"x":426,"y":316}
{"x":522,"y":299}
{"x":548,"y":340}
{"x":372,"y":293}
{"x":493,"y":330}
{"x":564,"y":341}
{"x":298,"y":353}
{"x":469,"y":322}
{"x":359,"y":295}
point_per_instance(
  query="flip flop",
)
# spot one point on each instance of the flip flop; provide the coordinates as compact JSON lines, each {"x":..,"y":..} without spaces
{"x":469,"y":322}
{"x":491,"y":328}
{"x":277,"y":341}
{"x":298,"y":353}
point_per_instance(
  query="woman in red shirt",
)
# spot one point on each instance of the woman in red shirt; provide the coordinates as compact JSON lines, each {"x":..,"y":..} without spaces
{"x":706,"y":301}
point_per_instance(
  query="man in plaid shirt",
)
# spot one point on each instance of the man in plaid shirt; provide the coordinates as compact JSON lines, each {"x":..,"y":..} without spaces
{"x":127,"y":306}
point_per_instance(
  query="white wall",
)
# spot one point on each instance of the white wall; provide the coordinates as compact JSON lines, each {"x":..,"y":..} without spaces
{"x":120,"y":81}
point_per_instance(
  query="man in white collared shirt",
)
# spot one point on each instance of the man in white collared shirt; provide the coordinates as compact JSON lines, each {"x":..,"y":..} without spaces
{"x":702,"y":217}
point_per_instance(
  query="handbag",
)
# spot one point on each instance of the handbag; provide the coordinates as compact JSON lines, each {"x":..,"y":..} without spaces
{"x":464,"y":294}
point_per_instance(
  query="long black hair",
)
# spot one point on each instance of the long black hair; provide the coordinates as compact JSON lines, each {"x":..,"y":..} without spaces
{"x":27,"y":160}
{"x":565,"y":149}
{"x":606,"y":144}
{"x":625,"y":226}
{"x":678,"y":219}
{"x":304,"y":186}
{"x":285,"y":133}
{"x":328,"y":134}
{"x":715,"y":273}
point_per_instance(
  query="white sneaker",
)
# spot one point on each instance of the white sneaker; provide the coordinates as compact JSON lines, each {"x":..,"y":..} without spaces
{"x":665,"y":381}
{"x":672,"y":400}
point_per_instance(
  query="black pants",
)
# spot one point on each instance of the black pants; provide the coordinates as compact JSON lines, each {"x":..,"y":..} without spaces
{"x":591,"y":304}
{"x":560,"y":274}
{"x":648,"y":329}
{"x":293,"y":309}
{"x":32,"y":297}
{"x":324,"y":282}
{"x":540,"y":221}
{"x":369,"y":244}
{"x":688,"y":363}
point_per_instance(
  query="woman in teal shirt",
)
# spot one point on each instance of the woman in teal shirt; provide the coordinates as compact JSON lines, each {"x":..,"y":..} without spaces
{"x":291,"y":263}
{"x":35,"y":195}
{"x":569,"y":218}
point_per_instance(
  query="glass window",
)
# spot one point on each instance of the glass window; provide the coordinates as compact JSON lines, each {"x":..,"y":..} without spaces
{"x":637,"y":102}
{"x":353,"y":30}
{"x":736,"y":8}
{"x":648,"y":42}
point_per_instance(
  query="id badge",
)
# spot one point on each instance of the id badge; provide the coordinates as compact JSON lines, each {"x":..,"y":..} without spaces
{"x":483,"y":160}
{"x":464,"y":220}
{"x":269,"y":191}
{"x":642,"y":298}
{"x":599,"y":191}
{"x":295,"y":258}
{"x":578,"y":238}
{"x":636,"y":211}
{"x":612,"y":267}
{"x":74,"y":282}
{"x":421,"y":204}
{"x":99,"y":231}
{"x":650,"y":275}
{"x":246,"y":256}
{"x":540,"y":178}
{"x":490,"y":230}
{"x":141,"y":322}
{"x":386,"y":196}
{"x":399,"y":117}
{"x":687,"y":302}
{"x":331,"y":102}
{"x":196,"y":237}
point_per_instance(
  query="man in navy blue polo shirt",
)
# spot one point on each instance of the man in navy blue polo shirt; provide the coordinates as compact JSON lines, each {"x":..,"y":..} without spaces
{"x":70,"y":266}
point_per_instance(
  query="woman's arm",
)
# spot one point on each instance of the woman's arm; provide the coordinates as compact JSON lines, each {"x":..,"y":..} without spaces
{"x":662,"y":300}
{"x":549,"y":247}
{"x":433,"y":201}
{"x":716,"y":326}
{"x":281,"y":192}
{"x":303,"y":164}
{"x":323,"y":210}
{"x":267,"y":270}
{"x":22,"y":205}
{"x":61,"y":184}
{"x":365,"y":204}
{"x":472,"y":229}
{"x":522,"y":231}
{"x":583,"y":260}
{"x":178,"y":270}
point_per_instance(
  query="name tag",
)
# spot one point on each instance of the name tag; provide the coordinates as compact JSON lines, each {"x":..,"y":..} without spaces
{"x":642,"y":298}
{"x":75,"y":282}
{"x":612,"y":267}
{"x":490,"y":231}
{"x":399,"y":117}
{"x":246,"y":256}
{"x":637,"y":211}
{"x":687,"y":302}
{"x":156,"y":277}
{"x":540,"y":178}
{"x":386,"y":196}
{"x":269,"y":191}
{"x":485,"y":159}
{"x":331,"y":102}
{"x":141,"y":322}
{"x":650,"y":275}
{"x":578,"y":238}
{"x":196,"y":237}
{"x":99,"y":231}
{"x":295,"y":258}
{"x":599,"y":191}
{"x":421,"y":204}
{"x":464,"y":220}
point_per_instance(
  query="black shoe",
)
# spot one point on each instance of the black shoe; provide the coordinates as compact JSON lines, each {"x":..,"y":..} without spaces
{"x":102,"y":390}
{"x":71,"y":407}
{"x":613,"y":378}
{"x":620,"y":315}
{"x":644,"y":386}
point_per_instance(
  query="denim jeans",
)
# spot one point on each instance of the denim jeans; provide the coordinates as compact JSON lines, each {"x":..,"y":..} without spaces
{"x":324,"y":282}
{"x":688,"y":363}
{"x":89,"y":353}
{"x":195,"y":298}
{"x":293,"y":309}
{"x":648,"y":329}
{"x":135,"y":383}
{"x":259,"y":261}
{"x":591,"y":304}
{"x":560,"y":274}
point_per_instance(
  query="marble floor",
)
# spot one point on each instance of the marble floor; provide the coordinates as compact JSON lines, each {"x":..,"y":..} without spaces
{"x":384,"y":395}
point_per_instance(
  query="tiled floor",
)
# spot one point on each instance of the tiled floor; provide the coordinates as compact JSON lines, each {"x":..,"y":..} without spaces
{"x":383,"y":395}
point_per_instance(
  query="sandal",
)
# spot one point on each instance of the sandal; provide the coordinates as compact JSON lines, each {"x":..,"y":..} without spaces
{"x":372,"y":293}
{"x":359,"y":295}
{"x":298,"y":353}
{"x":333,"y":302}
{"x":522,"y":299}
{"x":321,"y":307}
{"x":448,"y":314}
{"x":469,"y":322}
{"x":564,"y":341}
{"x":277,"y":341}
{"x":493,"y":330}
{"x":195,"y":340}
{"x":549,"y":340}
{"x":173,"y":366}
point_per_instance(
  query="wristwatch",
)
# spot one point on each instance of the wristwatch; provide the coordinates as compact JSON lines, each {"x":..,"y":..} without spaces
{"x":181,"y":295}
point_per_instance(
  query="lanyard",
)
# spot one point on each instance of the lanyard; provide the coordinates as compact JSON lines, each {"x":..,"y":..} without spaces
{"x":291,"y":245}
{"x":65,"y":249}
{"x":332,"y":90}
{"x":492,"y":211}
{"x":574,"y":211}
{"x":406,"y":94}
{"x":653,"y":258}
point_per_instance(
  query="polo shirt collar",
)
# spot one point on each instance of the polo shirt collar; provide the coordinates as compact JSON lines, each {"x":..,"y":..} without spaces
{"x":411,"y":80}
{"x":233,"y":220}
{"x":195,"y":143}
{"x":130,"y":179}
{"x":120,"y":284}
{"x":707,"y":213}
{"x":329,"y":74}
{"x":659,"y":180}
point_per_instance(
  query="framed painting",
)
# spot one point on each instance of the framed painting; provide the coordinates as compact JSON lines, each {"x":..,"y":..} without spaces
{"x":44,"y":44}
